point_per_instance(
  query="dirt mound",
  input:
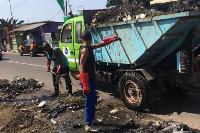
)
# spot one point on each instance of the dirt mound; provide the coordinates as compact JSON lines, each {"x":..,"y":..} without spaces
{"x":66,"y":114}
{"x":9,"y":89}
{"x":137,"y":10}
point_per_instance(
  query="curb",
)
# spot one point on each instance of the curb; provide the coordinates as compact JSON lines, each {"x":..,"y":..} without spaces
{"x":12,"y":52}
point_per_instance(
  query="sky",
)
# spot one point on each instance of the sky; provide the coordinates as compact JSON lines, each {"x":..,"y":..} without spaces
{"x":44,"y":10}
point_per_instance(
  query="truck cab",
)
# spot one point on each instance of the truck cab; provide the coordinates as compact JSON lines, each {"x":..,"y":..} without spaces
{"x":70,"y":42}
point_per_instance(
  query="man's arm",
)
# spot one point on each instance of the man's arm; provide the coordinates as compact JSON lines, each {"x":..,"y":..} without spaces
{"x":84,"y":55}
{"x":84,"y":77}
{"x":58,"y":54}
{"x":106,"y":41}
{"x":48,"y":65}
{"x":98,"y":45}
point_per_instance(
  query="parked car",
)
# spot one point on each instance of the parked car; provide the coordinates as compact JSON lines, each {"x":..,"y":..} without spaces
{"x":32,"y":47}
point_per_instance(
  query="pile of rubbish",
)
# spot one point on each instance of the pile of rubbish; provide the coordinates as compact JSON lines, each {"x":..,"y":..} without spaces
{"x":64,"y":103}
{"x":20,"y":121}
{"x":9,"y":89}
{"x":165,"y":127}
{"x":114,"y":119}
{"x":67,"y":114}
{"x":135,"y":10}
{"x":153,"y":127}
{"x":179,"y":6}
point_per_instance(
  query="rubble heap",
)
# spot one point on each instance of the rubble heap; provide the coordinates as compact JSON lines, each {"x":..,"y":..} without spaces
{"x":137,"y":10}
{"x":177,"y":7}
{"x":110,"y":16}
{"x":9,"y":89}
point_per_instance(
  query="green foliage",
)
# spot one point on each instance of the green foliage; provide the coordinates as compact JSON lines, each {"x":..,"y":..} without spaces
{"x":114,"y":2}
{"x":10,"y":22}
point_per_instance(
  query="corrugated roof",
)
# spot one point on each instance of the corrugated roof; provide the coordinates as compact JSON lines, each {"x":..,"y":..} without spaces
{"x":28,"y":27}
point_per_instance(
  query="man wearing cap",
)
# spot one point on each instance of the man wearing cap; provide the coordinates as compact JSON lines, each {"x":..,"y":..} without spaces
{"x":61,"y":66}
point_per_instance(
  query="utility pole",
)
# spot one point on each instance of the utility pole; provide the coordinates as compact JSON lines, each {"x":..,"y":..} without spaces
{"x":11,"y":14}
{"x":65,"y":3}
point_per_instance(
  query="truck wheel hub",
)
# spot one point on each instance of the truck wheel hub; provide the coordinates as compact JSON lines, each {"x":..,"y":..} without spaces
{"x":132,"y":92}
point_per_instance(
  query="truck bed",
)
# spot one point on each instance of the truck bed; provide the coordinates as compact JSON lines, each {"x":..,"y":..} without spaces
{"x":145,"y":41}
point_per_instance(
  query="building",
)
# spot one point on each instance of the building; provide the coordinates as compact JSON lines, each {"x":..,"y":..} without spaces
{"x":45,"y":30}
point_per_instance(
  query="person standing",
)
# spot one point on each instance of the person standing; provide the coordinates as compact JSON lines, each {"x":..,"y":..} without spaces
{"x":87,"y":75}
{"x":61,"y":66}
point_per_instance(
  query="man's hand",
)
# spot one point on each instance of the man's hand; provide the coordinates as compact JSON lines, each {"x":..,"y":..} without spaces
{"x":105,"y":42}
{"x":58,"y":69}
{"x":84,"y":77}
{"x":48,"y":65}
{"x":109,"y":40}
{"x":86,"y":91}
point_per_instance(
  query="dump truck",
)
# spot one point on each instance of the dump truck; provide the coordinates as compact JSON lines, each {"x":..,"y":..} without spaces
{"x":154,"y":53}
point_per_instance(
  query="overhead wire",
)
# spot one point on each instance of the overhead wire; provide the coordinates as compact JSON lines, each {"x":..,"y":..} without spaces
{"x":55,"y":15}
{"x":15,"y":7}
{"x":27,"y":1}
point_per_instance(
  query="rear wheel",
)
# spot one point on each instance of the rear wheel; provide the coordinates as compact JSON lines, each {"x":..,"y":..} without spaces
{"x":75,"y":74}
{"x":134,"y":91}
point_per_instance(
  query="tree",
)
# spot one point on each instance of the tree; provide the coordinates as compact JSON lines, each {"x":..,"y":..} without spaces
{"x":10,"y":22}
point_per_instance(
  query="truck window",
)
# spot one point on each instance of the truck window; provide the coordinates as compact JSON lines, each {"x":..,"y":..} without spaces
{"x":78,"y":32}
{"x":67,"y":34}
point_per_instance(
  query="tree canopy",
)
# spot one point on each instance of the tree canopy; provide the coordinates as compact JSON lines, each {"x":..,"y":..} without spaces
{"x":10,"y":22}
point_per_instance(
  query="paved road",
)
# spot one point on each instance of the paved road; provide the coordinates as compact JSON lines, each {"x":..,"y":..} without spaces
{"x":185,"y":108}
{"x":25,"y":66}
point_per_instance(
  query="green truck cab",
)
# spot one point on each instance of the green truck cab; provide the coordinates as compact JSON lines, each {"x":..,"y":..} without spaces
{"x":70,"y":42}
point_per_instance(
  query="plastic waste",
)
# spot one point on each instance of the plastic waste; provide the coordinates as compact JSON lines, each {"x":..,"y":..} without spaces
{"x":55,"y":115}
{"x":53,"y":121}
{"x":174,"y":127}
{"x":41,"y":104}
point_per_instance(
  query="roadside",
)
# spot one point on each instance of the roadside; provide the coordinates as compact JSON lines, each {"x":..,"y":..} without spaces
{"x":34,"y":111}
{"x":183,"y":109}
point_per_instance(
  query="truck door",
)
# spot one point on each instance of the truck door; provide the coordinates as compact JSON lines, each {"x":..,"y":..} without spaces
{"x":78,"y":24}
{"x":67,"y":43}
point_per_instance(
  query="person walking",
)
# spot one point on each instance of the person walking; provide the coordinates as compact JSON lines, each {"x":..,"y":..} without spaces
{"x":87,"y":75}
{"x":61,"y":66}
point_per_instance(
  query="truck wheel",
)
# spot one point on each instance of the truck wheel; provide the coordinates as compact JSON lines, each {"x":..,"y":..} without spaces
{"x":133,"y":91}
{"x":75,"y":74}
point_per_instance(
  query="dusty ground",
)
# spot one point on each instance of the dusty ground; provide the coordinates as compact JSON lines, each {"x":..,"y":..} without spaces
{"x":22,"y":115}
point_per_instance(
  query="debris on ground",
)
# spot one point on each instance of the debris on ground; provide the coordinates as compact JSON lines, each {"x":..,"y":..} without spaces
{"x":42,"y":104}
{"x":136,"y":10}
{"x":30,"y":119}
{"x":9,"y":89}
{"x":18,"y":122}
{"x":65,"y":114}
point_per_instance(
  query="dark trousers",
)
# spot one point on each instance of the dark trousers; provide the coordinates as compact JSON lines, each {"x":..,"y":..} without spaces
{"x":64,"y":70}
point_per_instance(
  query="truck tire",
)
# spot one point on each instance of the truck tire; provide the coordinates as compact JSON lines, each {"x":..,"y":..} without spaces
{"x":133,"y":90}
{"x":75,"y":74}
